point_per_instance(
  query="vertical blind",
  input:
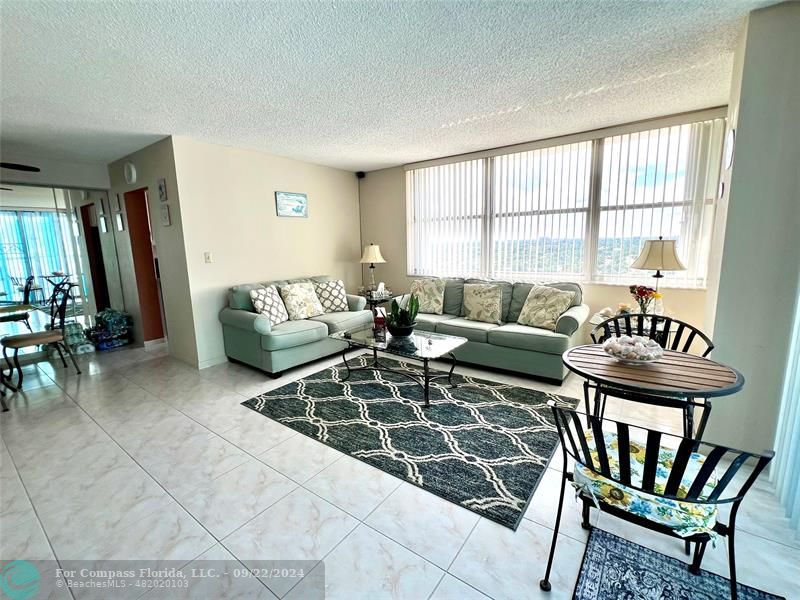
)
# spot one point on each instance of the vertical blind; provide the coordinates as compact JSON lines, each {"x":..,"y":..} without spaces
{"x":33,"y":242}
{"x":579,"y":211}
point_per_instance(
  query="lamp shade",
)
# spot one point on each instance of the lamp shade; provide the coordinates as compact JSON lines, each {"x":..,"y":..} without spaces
{"x":372,"y":254}
{"x":659,"y":255}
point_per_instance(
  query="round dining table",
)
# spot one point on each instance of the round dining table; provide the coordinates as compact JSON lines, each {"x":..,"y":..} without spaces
{"x":675,"y":380}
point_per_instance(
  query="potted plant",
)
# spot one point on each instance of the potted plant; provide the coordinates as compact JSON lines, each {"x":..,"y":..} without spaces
{"x":401,"y":321}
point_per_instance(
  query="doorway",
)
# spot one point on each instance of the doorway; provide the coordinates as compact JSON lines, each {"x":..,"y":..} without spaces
{"x":144,"y":264}
{"x":94,"y":253}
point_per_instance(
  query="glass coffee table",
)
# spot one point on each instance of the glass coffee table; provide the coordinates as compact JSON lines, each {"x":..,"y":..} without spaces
{"x":421,"y":345}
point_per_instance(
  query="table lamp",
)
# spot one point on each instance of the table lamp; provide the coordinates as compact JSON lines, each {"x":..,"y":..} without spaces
{"x":658,"y":255}
{"x":372,"y":255}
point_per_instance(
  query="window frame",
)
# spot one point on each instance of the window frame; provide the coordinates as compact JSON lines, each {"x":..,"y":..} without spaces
{"x":592,"y":211}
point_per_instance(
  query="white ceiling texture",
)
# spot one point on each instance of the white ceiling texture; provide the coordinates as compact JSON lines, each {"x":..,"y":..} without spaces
{"x":358,"y":85}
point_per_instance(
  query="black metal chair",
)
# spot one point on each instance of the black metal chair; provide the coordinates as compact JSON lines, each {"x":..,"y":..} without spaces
{"x":22,"y":316}
{"x":671,"y":334}
{"x":627,"y":468}
{"x":54,"y":336}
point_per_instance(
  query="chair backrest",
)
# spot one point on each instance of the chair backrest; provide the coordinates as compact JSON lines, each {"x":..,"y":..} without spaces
{"x":58,"y":305}
{"x":680,"y":339}
{"x":26,"y":290}
{"x":577,"y":442}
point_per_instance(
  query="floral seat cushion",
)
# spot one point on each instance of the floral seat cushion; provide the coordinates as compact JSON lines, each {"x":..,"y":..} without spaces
{"x":685,"y":518}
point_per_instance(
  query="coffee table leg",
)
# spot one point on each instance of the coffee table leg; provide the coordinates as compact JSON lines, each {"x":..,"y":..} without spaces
{"x":427,"y":384}
{"x":375,"y":357}
{"x":452,"y":368}
{"x":344,"y":360}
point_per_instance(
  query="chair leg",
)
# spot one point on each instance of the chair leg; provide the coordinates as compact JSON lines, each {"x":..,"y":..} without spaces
{"x":60,"y":354}
{"x":732,"y":561}
{"x":586,"y":401}
{"x":585,"y":515}
{"x":688,"y":420}
{"x":544,"y":584}
{"x":699,"y":551}
{"x":18,"y":368}
{"x":72,"y":358}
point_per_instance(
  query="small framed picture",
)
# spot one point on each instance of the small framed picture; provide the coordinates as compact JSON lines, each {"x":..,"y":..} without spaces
{"x":115,"y":204}
{"x":165,"y":218}
{"x":162,"y":190}
{"x":103,"y":223}
{"x":291,"y":204}
{"x":120,"y":222}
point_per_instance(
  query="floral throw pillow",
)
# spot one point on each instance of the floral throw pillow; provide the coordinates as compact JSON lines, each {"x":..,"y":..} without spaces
{"x":430,"y":293}
{"x":543,"y":306}
{"x":301,"y":301}
{"x":268,"y":302}
{"x":332,"y":296}
{"x":483,"y":302}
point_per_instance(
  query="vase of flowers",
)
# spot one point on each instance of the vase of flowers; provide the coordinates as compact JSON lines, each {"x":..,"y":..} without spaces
{"x":644,"y":297}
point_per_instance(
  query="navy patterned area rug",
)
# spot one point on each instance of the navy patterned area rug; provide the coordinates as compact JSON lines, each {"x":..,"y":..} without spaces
{"x":614,"y":569}
{"x":481,"y":445}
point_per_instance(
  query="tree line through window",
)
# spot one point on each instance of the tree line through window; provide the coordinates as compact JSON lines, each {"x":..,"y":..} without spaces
{"x":577,"y":211}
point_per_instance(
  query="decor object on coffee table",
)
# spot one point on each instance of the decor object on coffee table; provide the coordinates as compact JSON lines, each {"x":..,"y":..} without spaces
{"x":401,"y":321}
{"x":372,"y":254}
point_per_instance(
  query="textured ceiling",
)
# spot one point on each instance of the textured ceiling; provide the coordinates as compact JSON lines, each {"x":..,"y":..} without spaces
{"x":357,"y":85}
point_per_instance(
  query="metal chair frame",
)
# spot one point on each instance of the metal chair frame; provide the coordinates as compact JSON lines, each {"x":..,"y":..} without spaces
{"x":58,"y":309}
{"x":574,"y":443}
{"x":26,"y":299}
{"x":648,"y":325}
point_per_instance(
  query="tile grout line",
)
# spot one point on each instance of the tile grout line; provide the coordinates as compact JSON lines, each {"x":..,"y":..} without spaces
{"x":33,"y":508}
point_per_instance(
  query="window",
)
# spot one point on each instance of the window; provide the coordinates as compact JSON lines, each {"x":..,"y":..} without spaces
{"x":33,"y":243}
{"x":577,"y":211}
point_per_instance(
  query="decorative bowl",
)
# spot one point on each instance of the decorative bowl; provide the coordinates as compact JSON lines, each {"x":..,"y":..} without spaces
{"x":633,"y":349}
{"x":400,"y":331}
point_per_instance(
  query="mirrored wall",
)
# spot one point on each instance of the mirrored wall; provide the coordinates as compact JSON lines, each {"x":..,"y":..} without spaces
{"x":55,"y":235}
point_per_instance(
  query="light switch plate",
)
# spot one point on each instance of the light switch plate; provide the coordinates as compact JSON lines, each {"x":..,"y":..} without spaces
{"x":208,"y":257}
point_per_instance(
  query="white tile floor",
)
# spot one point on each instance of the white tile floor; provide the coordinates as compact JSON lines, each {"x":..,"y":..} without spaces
{"x":143,"y":457}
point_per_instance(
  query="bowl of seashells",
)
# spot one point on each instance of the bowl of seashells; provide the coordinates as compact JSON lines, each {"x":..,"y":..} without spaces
{"x":633,"y":349}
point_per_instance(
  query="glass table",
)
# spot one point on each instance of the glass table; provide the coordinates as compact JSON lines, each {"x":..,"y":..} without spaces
{"x":421,"y":345}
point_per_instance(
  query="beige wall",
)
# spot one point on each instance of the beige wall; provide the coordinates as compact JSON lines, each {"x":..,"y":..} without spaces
{"x":758,"y":274}
{"x":228,"y":209}
{"x":383,"y":222}
{"x":153,"y":163}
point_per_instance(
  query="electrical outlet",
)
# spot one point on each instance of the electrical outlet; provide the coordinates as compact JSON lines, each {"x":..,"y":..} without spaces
{"x":208,"y":257}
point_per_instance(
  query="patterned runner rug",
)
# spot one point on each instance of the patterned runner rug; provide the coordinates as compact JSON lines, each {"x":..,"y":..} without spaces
{"x":482,"y":445}
{"x":616,"y":568}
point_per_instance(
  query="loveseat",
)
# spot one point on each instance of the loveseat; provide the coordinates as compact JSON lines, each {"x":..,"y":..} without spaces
{"x":509,"y":345}
{"x":250,"y":337}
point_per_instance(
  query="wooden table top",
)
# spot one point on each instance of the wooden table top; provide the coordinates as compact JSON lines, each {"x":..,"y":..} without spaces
{"x":675,"y":374}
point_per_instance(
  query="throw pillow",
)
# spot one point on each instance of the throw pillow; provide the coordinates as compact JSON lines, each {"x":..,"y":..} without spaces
{"x":483,"y":302}
{"x":430,"y":293}
{"x":543,"y":306}
{"x":332,"y":296}
{"x":301,"y":301}
{"x":268,"y":302}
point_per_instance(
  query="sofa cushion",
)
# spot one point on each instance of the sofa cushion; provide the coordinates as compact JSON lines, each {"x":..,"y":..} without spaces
{"x":453,"y":296}
{"x":293,"y":333}
{"x":483,"y":302}
{"x":301,"y":301}
{"x":521,"y":290}
{"x":523,"y":337}
{"x":267,"y":301}
{"x":331,"y":295}
{"x":544,"y":306}
{"x":430,"y":293}
{"x":339,"y":321}
{"x":507,"y":288}
{"x":428,"y":322}
{"x":239,"y":296}
{"x":474,"y":331}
